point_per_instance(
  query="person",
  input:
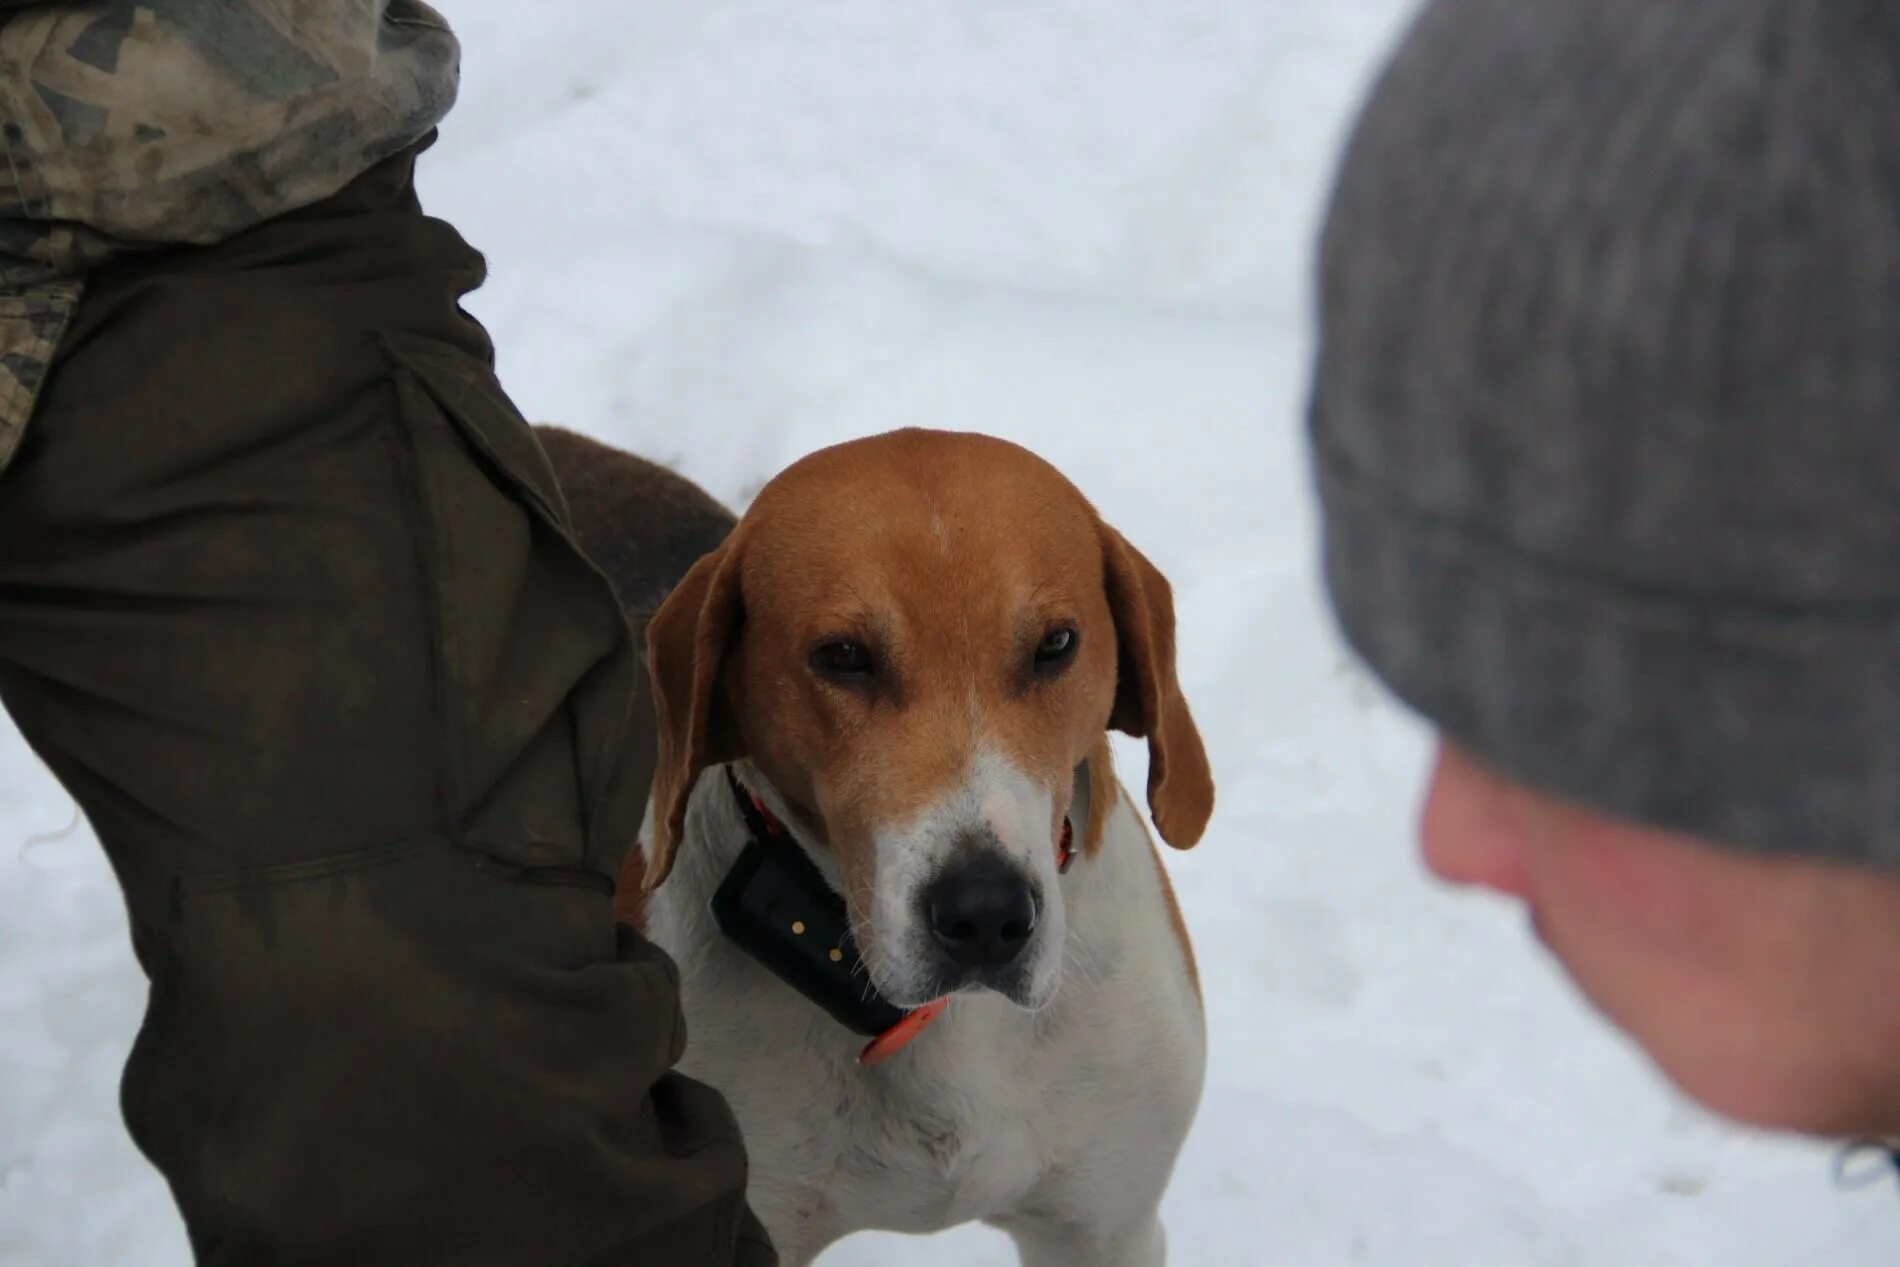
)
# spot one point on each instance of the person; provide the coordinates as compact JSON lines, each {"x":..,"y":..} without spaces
{"x":1606,"y":426}
{"x":289,"y":603}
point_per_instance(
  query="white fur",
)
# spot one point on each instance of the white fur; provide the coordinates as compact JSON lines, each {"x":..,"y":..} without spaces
{"x":994,"y":800}
{"x":1060,"y":1126}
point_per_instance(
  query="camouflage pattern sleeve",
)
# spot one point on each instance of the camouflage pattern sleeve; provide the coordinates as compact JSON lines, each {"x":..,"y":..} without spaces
{"x":127,"y":125}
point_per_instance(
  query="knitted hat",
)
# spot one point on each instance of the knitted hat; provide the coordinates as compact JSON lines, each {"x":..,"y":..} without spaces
{"x":1607,"y":407}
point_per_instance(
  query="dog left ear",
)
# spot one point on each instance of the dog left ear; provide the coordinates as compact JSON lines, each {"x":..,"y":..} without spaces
{"x":1148,"y":700}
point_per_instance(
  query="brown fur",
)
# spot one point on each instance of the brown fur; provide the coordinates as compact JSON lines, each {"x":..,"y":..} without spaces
{"x":1104,"y":795}
{"x":641,"y":524}
{"x":949,"y":556}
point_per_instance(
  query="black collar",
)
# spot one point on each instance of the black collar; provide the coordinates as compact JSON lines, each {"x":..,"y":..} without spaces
{"x":776,"y":906}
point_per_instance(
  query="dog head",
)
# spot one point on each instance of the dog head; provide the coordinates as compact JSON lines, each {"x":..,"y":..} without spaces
{"x":919,"y":640}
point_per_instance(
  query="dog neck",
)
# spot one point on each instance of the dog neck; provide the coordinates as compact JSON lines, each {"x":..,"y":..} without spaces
{"x":731,"y":807}
{"x":776,"y":906}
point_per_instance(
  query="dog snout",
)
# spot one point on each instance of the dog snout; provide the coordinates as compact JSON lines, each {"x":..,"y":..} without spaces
{"x":981,"y":912}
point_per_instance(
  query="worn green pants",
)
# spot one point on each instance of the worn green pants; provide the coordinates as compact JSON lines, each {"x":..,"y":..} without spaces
{"x":288,"y":602}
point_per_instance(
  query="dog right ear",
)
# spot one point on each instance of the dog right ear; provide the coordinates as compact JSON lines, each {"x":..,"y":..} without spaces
{"x":687,"y":644}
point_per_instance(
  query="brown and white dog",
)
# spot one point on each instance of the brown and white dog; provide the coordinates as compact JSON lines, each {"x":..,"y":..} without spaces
{"x":910,"y":651}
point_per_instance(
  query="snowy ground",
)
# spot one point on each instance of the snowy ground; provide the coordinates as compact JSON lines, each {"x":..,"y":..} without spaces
{"x":725,"y":232}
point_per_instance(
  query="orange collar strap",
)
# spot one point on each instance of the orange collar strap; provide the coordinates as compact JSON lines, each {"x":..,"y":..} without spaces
{"x":902,"y":1034}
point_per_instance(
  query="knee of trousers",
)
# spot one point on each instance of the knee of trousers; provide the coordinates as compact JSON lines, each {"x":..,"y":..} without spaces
{"x":342,"y":1046}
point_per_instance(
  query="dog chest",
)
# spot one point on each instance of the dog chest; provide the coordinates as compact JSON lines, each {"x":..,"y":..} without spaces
{"x":914,"y":1151}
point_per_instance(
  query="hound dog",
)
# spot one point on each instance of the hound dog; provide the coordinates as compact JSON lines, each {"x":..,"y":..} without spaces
{"x":885,"y":802}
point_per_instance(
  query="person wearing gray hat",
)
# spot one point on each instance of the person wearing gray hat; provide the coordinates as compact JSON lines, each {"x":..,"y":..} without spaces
{"x":1606,"y":426}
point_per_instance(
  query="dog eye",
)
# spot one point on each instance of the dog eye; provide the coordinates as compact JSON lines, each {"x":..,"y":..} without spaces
{"x":1056,"y":647}
{"x":842,"y":659}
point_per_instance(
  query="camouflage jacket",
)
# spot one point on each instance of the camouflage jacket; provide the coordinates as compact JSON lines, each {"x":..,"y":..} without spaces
{"x":126,"y":125}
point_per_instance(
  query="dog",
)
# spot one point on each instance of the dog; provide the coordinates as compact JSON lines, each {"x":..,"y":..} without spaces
{"x":885,"y":801}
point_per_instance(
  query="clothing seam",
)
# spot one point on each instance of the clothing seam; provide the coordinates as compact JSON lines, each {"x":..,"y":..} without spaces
{"x":467,"y":385}
{"x":421,"y":533}
{"x":272,"y":875}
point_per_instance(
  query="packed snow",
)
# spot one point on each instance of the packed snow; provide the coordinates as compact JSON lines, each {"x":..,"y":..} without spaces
{"x":726,"y":232}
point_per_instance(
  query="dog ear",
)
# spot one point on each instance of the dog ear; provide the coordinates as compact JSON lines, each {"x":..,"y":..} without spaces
{"x":1148,"y":700}
{"x":688,"y":640}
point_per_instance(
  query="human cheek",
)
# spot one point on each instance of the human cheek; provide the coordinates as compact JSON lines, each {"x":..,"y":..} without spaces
{"x":1655,"y":951}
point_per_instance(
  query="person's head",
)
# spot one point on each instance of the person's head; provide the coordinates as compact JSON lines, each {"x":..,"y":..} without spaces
{"x":1607,"y":426}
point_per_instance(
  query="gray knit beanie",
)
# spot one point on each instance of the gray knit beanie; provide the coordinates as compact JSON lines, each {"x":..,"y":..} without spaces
{"x":1607,"y":406}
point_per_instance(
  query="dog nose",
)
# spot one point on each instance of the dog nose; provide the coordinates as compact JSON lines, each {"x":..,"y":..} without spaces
{"x":981,"y":912}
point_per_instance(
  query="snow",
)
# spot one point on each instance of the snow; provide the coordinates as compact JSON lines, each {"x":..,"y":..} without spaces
{"x":725,"y":232}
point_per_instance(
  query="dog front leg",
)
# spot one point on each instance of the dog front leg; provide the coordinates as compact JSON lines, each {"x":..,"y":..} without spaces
{"x":1053,"y":1244}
